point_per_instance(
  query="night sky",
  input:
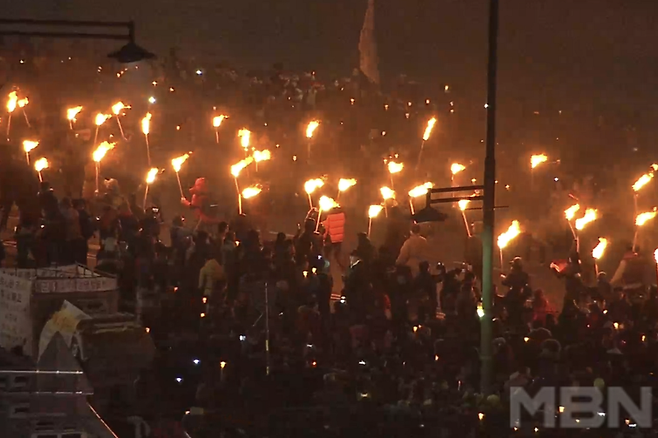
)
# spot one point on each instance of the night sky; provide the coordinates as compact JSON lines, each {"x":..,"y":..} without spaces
{"x":594,"y":55}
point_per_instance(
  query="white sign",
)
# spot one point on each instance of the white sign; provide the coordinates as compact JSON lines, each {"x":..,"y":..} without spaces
{"x":15,"y":319}
{"x":66,"y":285}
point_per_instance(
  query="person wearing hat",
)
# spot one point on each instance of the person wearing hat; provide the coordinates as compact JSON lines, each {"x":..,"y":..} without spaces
{"x":200,"y":205}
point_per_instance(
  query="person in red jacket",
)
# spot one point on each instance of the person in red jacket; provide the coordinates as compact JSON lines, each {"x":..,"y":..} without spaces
{"x":334,"y":225}
{"x":200,"y":204}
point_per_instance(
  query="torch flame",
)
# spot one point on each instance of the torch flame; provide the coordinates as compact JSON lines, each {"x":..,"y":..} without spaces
{"x":71,"y":113}
{"x":455,"y":168}
{"x":394,"y":167}
{"x":590,"y":216}
{"x":430,"y":125}
{"x":506,"y":237}
{"x":463,"y":204}
{"x":252,"y":191}
{"x":101,"y":118}
{"x":326,"y":203}
{"x":177,"y":162}
{"x":312,"y":184}
{"x":22,"y":102}
{"x":217,"y":121}
{"x":101,"y":150}
{"x":642,"y":181}
{"x":150,"y":176}
{"x":237,"y":168}
{"x":387,"y":193}
{"x":310,"y":129}
{"x":28,"y":145}
{"x":655,"y":255}
{"x":643,"y":218}
{"x":344,"y":184}
{"x":654,"y":166}
{"x":118,"y":107}
{"x":244,"y":135}
{"x":536,"y":160}
{"x":374,"y":210}
{"x":262,"y":155}
{"x":571,"y":211}
{"x":40,"y":164}
{"x":12,"y":102}
{"x":597,"y":252}
{"x":146,"y":124}
{"x":420,"y":190}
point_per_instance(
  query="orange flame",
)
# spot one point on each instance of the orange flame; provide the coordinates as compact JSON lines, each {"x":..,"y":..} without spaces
{"x":420,"y":190}
{"x":374,"y":210}
{"x":326,"y":203}
{"x":237,"y":168}
{"x":252,"y":191}
{"x":597,"y":252}
{"x":512,"y":232}
{"x":101,"y":150}
{"x":40,"y":164}
{"x":217,"y":120}
{"x":12,"y":101}
{"x":177,"y":162}
{"x":642,"y":181}
{"x":590,"y":216}
{"x":430,"y":125}
{"x":387,"y":193}
{"x":28,"y":145}
{"x":312,"y":184}
{"x":146,"y":124}
{"x":455,"y":168}
{"x":262,"y":155}
{"x":71,"y":113}
{"x":394,"y":167}
{"x":570,"y":212}
{"x":245,"y":136}
{"x":118,"y":107}
{"x":150,"y":176}
{"x":23,"y":102}
{"x":101,"y":118}
{"x":344,"y":184}
{"x":536,"y":160}
{"x":310,"y":129}
{"x":643,"y":218}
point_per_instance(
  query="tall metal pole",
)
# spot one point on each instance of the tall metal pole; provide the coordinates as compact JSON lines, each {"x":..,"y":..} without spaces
{"x":488,"y":206}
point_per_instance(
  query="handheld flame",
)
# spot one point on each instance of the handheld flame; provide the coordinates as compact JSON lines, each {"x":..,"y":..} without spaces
{"x":310,"y":129}
{"x":28,"y":145}
{"x":512,"y":232}
{"x":642,"y":181}
{"x":430,"y":125}
{"x":101,"y":150}
{"x":12,"y":102}
{"x":146,"y":124}
{"x":597,"y":252}
{"x":217,"y":121}
{"x":312,"y":184}
{"x":262,"y":155}
{"x":536,"y":160}
{"x":570,"y":212}
{"x":326,"y":203}
{"x":245,"y":136}
{"x":655,"y":255}
{"x":252,"y":191}
{"x":118,"y":107}
{"x":101,"y":118}
{"x":590,"y":216}
{"x":374,"y":210}
{"x":387,"y":193}
{"x":344,"y":184}
{"x":72,"y":113}
{"x":150,"y":176}
{"x":177,"y":162}
{"x":463,"y":204}
{"x":239,"y":166}
{"x":420,"y":190}
{"x":455,"y":168}
{"x":394,"y":167}
{"x":643,"y":218}
{"x":23,"y":102}
{"x":41,"y":164}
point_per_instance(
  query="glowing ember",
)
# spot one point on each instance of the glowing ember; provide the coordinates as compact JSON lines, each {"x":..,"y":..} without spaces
{"x":463,"y":204}
{"x":245,"y":136}
{"x":146,"y":123}
{"x":101,"y":118}
{"x":28,"y":145}
{"x":394,"y":167}
{"x":570,"y":212}
{"x":118,"y":107}
{"x":250,"y":192}
{"x":262,"y":155}
{"x":312,"y":184}
{"x":597,"y":252}
{"x":310,"y":129}
{"x":177,"y":162}
{"x":455,"y":168}
{"x":374,"y":210}
{"x":41,"y":164}
{"x":428,"y":130}
{"x":101,"y":150}
{"x":643,"y":218}
{"x":536,"y":160}
{"x":505,"y":238}
{"x":590,"y":216}
{"x":420,"y":190}
{"x":71,"y":113}
{"x":237,"y":168}
{"x":642,"y":181}
{"x":344,"y":184}
{"x":150,"y":176}
{"x":387,"y":193}
{"x":326,"y":203}
{"x":12,"y":101}
{"x":217,"y":121}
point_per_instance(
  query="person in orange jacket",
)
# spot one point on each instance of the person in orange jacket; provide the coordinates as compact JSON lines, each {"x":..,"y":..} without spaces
{"x":334,"y":225}
{"x":200,"y":204}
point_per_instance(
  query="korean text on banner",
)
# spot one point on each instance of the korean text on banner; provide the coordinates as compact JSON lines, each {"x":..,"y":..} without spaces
{"x":15,"y":319}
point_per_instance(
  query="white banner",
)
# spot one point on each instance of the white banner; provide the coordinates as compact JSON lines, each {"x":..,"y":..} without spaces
{"x":65,"y":321}
{"x":66,"y":285}
{"x":15,"y":318}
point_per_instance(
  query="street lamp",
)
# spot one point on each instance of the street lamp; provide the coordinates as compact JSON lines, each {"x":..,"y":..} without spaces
{"x":128,"y":53}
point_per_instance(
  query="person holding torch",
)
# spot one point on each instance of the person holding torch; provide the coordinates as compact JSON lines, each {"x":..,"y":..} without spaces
{"x":201,"y":206}
{"x":98,"y":156}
